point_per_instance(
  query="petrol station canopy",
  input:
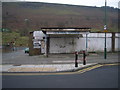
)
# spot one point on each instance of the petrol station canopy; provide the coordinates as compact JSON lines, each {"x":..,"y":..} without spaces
{"x":66,"y":31}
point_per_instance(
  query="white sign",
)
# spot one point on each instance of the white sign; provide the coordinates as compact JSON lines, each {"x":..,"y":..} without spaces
{"x":105,"y":27}
{"x":37,"y":44}
{"x":38,"y":36}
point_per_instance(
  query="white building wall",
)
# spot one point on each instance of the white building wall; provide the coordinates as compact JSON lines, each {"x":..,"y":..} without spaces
{"x":96,"y":42}
{"x":80,"y":44}
{"x":117,"y":42}
{"x":117,"y":48}
{"x":62,"y":45}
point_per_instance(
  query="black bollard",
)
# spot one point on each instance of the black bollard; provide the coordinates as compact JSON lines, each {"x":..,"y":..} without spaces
{"x":76,"y":58}
{"x":84,"y":56}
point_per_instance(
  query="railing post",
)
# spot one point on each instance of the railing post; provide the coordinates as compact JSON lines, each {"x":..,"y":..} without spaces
{"x":84,"y":58}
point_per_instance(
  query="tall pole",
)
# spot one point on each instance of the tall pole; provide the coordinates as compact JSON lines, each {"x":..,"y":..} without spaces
{"x":105,"y":29}
{"x":86,"y":42}
{"x":46,"y":45}
{"x":27,"y":26}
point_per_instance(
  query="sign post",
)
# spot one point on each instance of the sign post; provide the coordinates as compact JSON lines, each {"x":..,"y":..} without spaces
{"x":105,"y":30}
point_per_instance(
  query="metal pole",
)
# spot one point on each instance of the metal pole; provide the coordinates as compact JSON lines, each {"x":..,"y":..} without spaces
{"x":46,"y":44}
{"x":27,"y":26}
{"x":105,"y":49}
{"x":86,"y":42}
{"x":84,"y":56}
{"x":76,"y":58}
{"x":105,"y":27}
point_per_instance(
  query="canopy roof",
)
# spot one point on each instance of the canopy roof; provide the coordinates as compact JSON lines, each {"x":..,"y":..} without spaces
{"x":49,"y":29}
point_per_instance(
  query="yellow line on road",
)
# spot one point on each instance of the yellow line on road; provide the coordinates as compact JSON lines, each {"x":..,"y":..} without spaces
{"x":62,"y":73}
{"x":88,"y":69}
{"x":112,"y":64}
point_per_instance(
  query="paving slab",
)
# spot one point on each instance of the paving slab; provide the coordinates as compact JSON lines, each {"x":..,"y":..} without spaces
{"x":42,"y":68}
{"x":21,"y":62}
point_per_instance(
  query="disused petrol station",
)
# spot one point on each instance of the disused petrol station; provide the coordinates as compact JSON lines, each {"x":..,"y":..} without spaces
{"x":39,"y":41}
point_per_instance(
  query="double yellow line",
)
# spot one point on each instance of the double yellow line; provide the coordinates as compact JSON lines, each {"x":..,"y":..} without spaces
{"x":89,"y":68}
{"x":63,"y":73}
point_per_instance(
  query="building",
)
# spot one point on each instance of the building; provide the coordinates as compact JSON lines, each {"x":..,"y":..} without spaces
{"x":69,"y":40}
{"x":57,"y":40}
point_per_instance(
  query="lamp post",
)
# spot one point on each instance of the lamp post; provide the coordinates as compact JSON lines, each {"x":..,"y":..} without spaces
{"x":105,"y":30}
{"x":27,"y":26}
{"x":26,"y":22}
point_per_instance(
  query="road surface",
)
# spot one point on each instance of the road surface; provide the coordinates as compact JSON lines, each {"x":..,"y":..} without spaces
{"x":102,"y":77}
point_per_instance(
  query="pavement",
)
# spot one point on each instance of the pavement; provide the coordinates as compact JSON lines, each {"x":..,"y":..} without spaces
{"x":44,"y":68}
{"x":21,"y":62}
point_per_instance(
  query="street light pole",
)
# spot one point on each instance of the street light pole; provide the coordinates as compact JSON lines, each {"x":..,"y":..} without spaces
{"x":27,"y":26}
{"x":105,"y":29}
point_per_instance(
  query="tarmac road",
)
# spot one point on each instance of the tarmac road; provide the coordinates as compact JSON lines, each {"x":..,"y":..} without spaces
{"x":102,"y":77}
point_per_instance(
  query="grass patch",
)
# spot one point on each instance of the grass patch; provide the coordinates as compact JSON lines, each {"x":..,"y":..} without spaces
{"x":8,"y":37}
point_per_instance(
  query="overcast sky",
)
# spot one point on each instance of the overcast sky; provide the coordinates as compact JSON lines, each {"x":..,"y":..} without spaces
{"x":98,"y":3}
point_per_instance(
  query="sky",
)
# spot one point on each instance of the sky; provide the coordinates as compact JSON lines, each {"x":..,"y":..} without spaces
{"x":98,"y":3}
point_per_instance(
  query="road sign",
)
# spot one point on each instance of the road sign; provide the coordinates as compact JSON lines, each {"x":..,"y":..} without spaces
{"x":105,"y":27}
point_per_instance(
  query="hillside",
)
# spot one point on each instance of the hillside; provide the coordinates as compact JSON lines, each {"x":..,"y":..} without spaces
{"x":26,"y":16}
